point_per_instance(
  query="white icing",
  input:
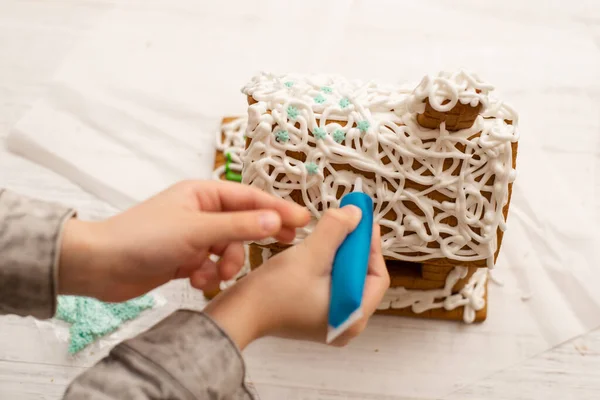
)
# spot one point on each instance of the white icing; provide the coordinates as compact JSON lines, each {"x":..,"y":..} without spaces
{"x":265,"y":254}
{"x":391,"y":114}
{"x":230,"y":140}
{"x":462,"y":86}
{"x":471,"y":296}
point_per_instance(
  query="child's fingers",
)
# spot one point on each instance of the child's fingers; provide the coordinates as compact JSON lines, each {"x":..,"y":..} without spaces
{"x":236,"y":197}
{"x":376,"y":267}
{"x":351,"y":333}
{"x":207,"y":273}
{"x":378,"y":278}
{"x":331,"y":231}
{"x":211,"y":228}
{"x":190,"y":266}
{"x":375,"y":288}
{"x":231,"y":261}
{"x":218,"y":249}
{"x":376,"y":284}
{"x":212,"y":286}
{"x":286,"y":235}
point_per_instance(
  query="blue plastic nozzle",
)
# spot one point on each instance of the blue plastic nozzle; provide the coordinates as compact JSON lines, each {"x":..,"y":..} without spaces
{"x":350,"y":267}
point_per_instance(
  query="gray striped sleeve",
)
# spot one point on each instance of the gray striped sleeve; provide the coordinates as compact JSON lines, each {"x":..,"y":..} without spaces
{"x":30,"y":232}
{"x":186,"y":356}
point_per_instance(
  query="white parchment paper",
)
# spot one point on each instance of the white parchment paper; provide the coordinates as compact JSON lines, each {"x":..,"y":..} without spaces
{"x":136,"y":105}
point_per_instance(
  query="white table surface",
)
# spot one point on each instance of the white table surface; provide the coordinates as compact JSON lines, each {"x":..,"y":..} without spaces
{"x":35,"y":38}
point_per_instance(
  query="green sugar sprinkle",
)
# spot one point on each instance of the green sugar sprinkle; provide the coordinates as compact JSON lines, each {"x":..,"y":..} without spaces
{"x":282,"y":136}
{"x":339,"y":136}
{"x":312,"y":168}
{"x":91,"y":319}
{"x":320,"y":99}
{"x":319,"y":133}
{"x":363,"y":126}
{"x":292,"y":112}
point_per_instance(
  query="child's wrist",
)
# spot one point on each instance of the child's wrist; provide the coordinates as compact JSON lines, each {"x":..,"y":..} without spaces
{"x":71,"y":250}
{"x":75,"y":271}
{"x":241,"y":312}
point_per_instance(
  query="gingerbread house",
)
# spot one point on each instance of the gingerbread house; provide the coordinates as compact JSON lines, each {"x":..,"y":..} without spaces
{"x":438,"y":161}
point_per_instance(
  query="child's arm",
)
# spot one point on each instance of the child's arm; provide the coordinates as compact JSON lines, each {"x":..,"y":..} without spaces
{"x":195,"y":356}
{"x":189,"y":355}
{"x":186,"y":356}
{"x":171,"y":236}
{"x":30,"y":232}
{"x":288,"y":296}
{"x":45,"y":252}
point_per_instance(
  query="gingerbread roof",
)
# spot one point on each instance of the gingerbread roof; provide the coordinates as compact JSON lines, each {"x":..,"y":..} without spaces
{"x":438,"y":160}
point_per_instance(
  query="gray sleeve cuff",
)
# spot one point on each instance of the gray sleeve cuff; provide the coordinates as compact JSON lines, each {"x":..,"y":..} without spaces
{"x":30,"y":233}
{"x":197,"y":353}
{"x":186,"y":356}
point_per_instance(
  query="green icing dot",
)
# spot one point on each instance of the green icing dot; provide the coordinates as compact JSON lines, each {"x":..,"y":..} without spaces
{"x":320,"y":99}
{"x":363,"y":126}
{"x":312,"y":168}
{"x":319,"y":133}
{"x":326,"y":89}
{"x":282,"y":136}
{"x":292,"y":112}
{"x":344,"y":102}
{"x":339,"y":136}
{"x":289,"y":84}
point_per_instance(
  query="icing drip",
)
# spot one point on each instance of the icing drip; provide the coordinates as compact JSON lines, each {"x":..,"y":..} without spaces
{"x":472,"y":295}
{"x":230,"y":140}
{"x":265,"y":254}
{"x":405,"y":168}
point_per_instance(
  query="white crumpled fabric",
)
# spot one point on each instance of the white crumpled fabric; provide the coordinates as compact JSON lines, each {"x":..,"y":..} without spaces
{"x":136,"y":105}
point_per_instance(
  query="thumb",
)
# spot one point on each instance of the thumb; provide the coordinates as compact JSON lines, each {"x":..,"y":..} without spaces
{"x":213,"y":228}
{"x":331,"y":231}
{"x":378,"y":278}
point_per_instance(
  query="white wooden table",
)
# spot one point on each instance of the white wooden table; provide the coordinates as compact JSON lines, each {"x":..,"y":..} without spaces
{"x":35,"y":37}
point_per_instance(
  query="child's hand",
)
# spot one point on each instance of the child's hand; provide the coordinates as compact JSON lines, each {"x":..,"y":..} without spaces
{"x":289,"y":294}
{"x":171,"y":236}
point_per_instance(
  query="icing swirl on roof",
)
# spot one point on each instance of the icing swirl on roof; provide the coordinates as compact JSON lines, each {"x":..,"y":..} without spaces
{"x":446,"y":90}
{"x":437,"y":194}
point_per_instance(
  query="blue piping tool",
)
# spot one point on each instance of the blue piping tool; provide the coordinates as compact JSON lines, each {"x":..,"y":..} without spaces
{"x":350,"y":267}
